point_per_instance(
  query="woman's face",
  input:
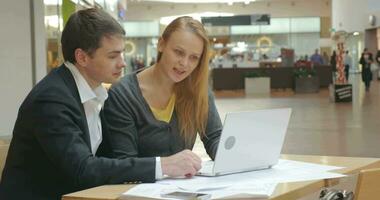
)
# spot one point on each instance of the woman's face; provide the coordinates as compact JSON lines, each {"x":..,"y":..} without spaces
{"x":181,"y":54}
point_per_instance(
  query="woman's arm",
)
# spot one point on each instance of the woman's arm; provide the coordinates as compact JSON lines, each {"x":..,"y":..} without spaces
{"x":121,"y":125}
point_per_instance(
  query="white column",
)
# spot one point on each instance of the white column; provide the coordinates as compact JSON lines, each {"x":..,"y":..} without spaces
{"x":39,"y":37}
{"x":20,"y":52}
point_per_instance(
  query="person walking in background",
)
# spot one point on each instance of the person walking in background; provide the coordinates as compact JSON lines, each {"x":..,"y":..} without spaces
{"x":366,"y":60}
{"x":265,"y":57}
{"x":326,"y":59}
{"x":316,"y":58}
{"x":347,"y":64}
{"x":333,"y":64}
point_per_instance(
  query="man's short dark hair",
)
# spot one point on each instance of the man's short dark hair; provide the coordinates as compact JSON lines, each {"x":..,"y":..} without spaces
{"x":85,"y":29}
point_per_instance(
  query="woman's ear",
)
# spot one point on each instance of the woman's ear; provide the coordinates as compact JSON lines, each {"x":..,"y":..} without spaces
{"x":161,"y":44}
{"x":81,"y":57}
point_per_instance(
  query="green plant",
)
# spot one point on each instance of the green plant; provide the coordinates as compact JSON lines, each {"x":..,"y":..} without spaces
{"x":256,"y":74}
{"x":304,"y":72}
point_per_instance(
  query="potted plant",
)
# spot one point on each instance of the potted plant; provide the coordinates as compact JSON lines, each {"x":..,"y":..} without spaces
{"x":256,"y":83}
{"x":306,"y":80}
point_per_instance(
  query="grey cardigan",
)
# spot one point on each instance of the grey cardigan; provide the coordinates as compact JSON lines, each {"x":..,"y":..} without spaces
{"x":135,"y":132}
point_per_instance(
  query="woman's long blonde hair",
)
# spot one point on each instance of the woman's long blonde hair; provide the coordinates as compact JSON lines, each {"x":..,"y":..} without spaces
{"x":192,"y":93}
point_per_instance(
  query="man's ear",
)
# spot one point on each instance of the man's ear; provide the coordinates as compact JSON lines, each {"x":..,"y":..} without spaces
{"x":161,"y":44}
{"x":81,"y":57}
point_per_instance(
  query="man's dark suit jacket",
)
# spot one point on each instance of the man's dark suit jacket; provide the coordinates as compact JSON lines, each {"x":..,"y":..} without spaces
{"x":50,"y":152}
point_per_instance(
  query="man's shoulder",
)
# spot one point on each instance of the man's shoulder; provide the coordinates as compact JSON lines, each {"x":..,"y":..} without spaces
{"x":54,"y":80}
{"x":57,"y":85}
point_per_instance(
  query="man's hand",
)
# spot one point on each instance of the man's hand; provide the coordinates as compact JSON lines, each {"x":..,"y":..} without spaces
{"x":185,"y":163}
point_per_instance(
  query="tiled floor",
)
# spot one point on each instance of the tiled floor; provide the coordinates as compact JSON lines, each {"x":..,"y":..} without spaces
{"x":318,"y":126}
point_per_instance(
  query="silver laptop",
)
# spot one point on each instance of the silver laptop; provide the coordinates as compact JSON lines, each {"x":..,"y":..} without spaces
{"x":249,"y":141}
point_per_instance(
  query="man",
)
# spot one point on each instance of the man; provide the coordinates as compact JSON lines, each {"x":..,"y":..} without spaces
{"x":347,"y":64}
{"x":325,"y":58}
{"x":60,"y":137}
{"x":316,"y":59}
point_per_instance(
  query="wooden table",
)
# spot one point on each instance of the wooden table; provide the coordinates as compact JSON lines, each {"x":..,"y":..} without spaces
{"x":283,"y":191}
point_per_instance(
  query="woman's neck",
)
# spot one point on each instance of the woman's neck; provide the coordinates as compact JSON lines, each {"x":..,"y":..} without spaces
{"x":154,"y":81}
{"x":156,"y":87}
{"x":160,"y":80}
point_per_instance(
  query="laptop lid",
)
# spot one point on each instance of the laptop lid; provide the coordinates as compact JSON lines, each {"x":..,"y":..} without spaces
{"x":251,"y":140}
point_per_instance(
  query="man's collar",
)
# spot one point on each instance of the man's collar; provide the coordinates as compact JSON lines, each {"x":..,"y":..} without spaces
{"x":84,"y":89}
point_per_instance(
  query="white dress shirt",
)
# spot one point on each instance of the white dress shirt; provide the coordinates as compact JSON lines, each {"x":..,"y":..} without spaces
{"x":159,"y":174}
{"x":93,"y":101}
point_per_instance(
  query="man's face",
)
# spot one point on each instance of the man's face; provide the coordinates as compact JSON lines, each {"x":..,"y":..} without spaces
{"x":106,"y":63}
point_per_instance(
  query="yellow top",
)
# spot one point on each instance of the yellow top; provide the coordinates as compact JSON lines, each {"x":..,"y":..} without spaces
{"x":166,"y":113}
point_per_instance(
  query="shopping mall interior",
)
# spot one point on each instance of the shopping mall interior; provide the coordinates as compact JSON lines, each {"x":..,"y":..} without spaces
{"x":264,"y":54}
{"x":278,"y":45}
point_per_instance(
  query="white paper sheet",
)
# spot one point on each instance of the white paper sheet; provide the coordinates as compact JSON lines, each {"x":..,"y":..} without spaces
{"x":284,"y":171}
{"x":150,"y":190}
{"x":244,"y":191}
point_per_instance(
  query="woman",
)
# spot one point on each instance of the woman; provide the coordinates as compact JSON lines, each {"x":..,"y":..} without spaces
{"x":159,"y":110}
{"x":366,"y":60}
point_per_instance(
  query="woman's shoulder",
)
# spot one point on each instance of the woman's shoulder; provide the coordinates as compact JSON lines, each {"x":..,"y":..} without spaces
{"x":211,"y":96}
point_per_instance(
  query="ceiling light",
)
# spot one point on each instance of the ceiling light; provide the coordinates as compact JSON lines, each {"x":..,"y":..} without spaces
{"x":53,"y":21}
{"x":53,"y":2}
{"x":356,"y":33}
{"x":246,"y":2}
{"x":199,"y":1}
